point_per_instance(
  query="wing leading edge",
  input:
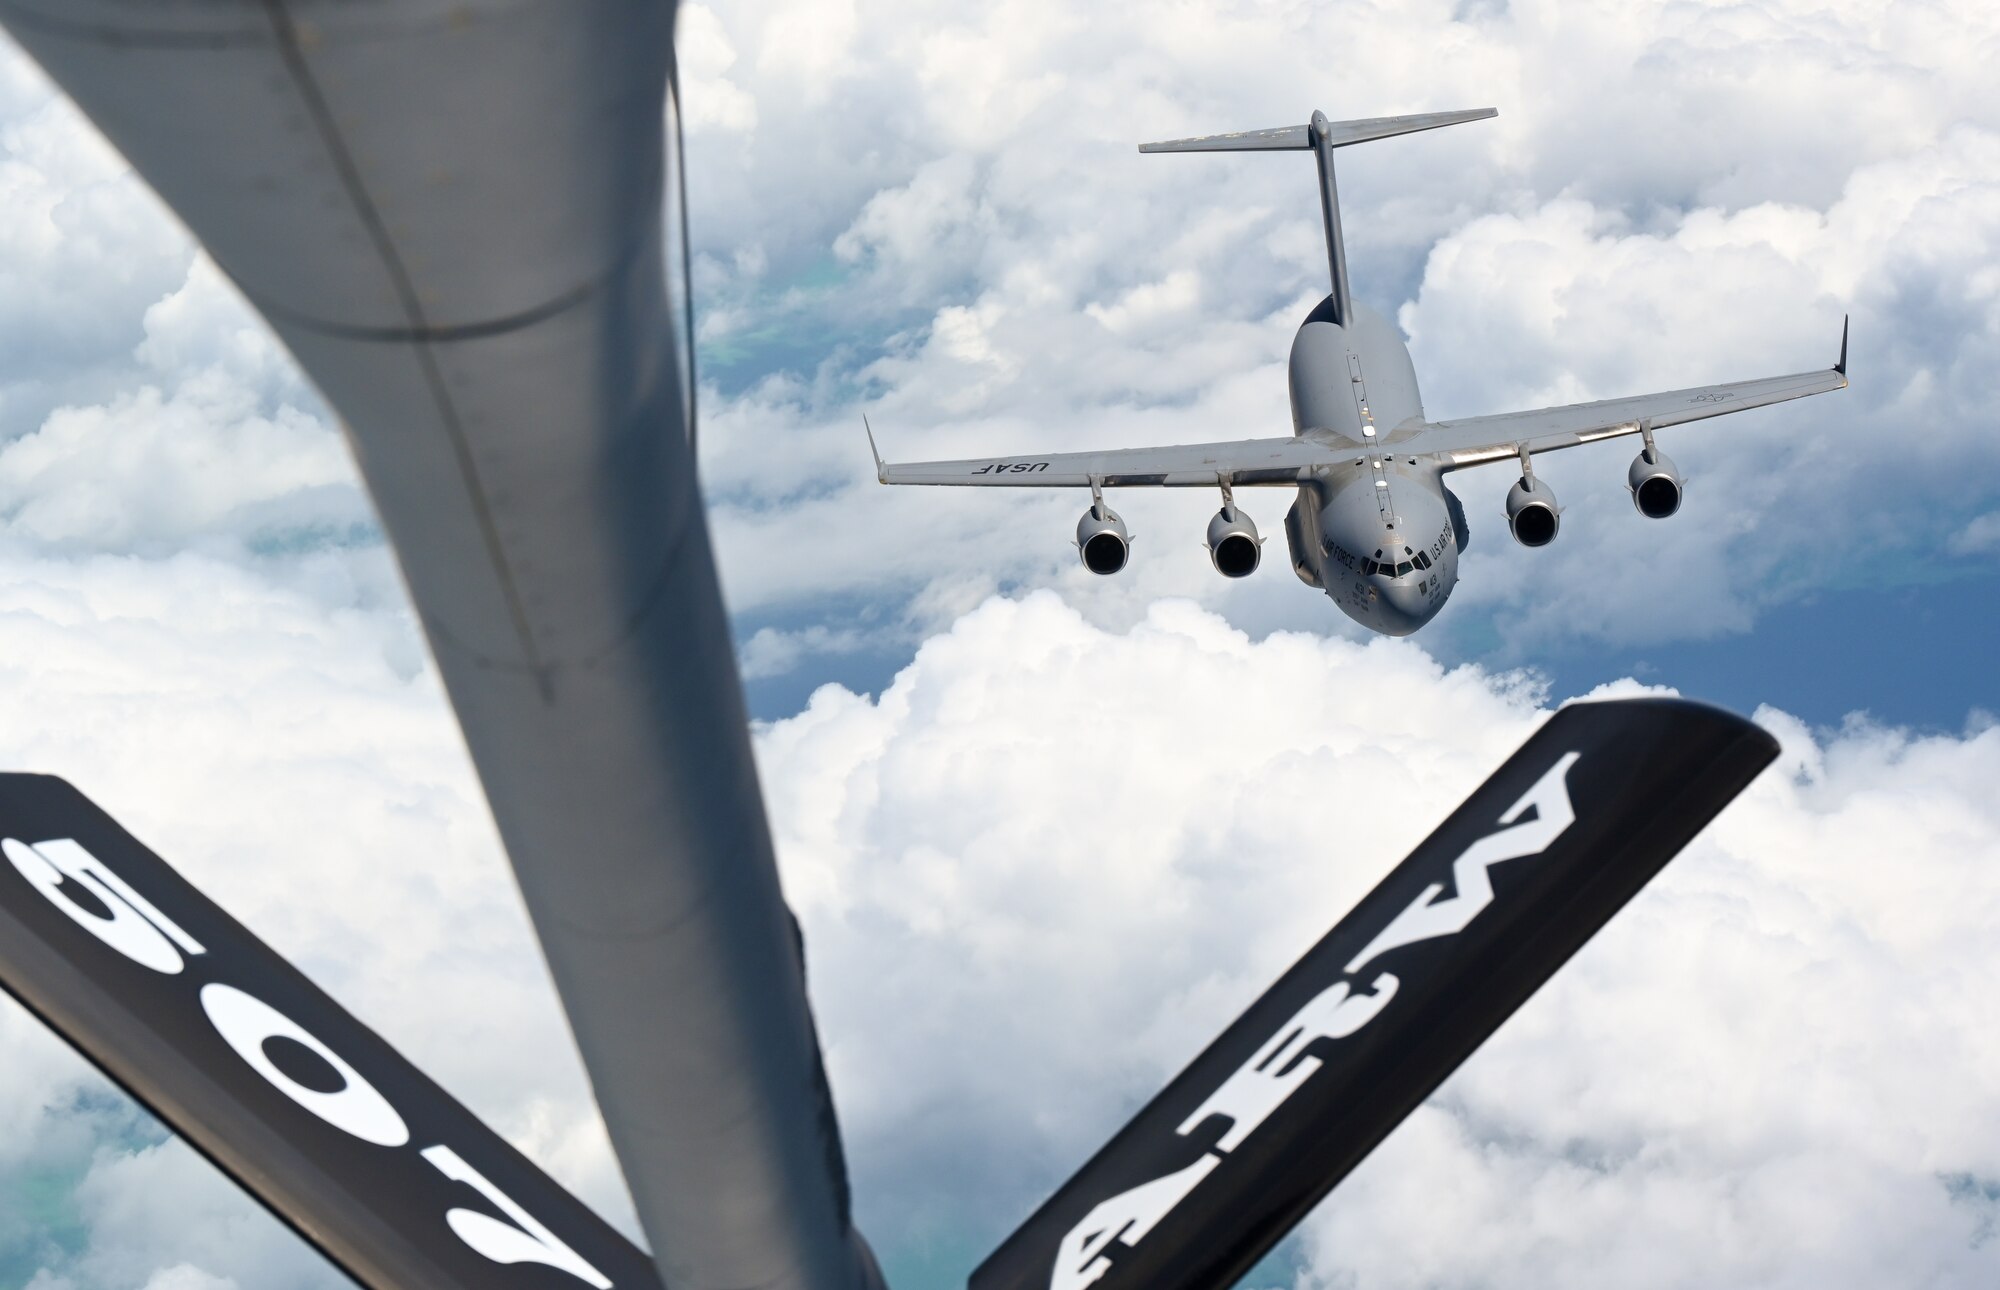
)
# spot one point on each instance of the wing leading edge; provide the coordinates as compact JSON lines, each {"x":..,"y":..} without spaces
{"x":1194,"y":465}
{"x":1470,"y":441}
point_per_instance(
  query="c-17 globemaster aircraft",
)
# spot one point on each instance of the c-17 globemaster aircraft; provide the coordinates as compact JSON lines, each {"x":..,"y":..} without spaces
{"x":1374,"y":525}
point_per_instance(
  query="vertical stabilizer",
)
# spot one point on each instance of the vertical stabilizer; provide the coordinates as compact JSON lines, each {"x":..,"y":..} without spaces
{"x":1321,"y":137}
{"x":1329,"y":207}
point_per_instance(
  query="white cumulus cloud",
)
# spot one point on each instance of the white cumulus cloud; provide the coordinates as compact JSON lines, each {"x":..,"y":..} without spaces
{"x":1049,"y":862}
{"x":1088,"y":824}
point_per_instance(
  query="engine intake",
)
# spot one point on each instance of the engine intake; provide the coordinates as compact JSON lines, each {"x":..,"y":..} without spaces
{"x":1233,"y":545}
{"x":1656,"y":485}
{"x":1532,"y":514}
{"x":1102,"y":541}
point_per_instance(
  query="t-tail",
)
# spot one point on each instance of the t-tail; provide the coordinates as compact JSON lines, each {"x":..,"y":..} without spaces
{"x":318,"y":1118}
{"x":1320,"y":138}
{"x":1220,"y":1166}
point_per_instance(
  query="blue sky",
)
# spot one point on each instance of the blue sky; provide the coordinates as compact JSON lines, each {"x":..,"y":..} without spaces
{"x":1918,"y":655}
{"x":1047,"y":832}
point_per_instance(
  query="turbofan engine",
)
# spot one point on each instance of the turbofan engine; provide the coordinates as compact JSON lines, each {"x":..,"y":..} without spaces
{"x":1101,"y":540}
{"x":1233,"y":544}
{"x":1532,"y":514}
{"x":1656,"y":486}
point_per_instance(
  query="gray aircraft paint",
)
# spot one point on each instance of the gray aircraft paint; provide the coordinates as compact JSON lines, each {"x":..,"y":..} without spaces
{"x":1346,"y":382}
{"x":1368,"y":469}
{"x":452,"y":213}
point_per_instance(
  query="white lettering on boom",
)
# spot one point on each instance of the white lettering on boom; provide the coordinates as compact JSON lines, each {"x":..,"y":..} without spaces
{"x":1274,"y":1072}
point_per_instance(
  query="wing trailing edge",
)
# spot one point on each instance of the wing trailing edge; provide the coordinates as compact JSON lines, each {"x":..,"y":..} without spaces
{"x":1218,"y":1168}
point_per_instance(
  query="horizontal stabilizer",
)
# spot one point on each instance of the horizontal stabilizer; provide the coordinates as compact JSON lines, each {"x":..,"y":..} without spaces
{"x":1217,"y":1168}
{"x":1321,"y":136}
{"x":317,"y":1117}
{"x":1285,"y":138}
{"x":1298,"y":138}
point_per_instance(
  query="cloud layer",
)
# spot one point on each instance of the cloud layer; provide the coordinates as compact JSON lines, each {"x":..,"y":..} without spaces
{"x":1052,"y":860}
{"x":1035,"y":875}
{"x":1090,"y":819}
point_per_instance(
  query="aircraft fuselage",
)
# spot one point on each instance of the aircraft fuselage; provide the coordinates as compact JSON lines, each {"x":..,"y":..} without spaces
{"x":1375,"y":533}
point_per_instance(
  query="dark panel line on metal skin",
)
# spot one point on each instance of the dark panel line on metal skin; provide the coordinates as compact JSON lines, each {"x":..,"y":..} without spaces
{"x":687,"y":271}
{"x":350,"y":179}
{"x":426,"y":334}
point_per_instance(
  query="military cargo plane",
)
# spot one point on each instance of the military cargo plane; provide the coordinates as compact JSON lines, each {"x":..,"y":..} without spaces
{"x":1374,"y":525}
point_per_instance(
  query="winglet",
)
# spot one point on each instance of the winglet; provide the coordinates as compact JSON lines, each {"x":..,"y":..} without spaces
{"x":1841,"y":366}
{"x":882,"y":471}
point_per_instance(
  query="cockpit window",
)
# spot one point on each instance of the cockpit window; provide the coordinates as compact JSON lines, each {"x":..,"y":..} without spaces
{"x":1369,"y":568}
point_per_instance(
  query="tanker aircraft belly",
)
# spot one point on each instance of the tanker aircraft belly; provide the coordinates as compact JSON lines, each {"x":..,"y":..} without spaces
{"x":452,"y":213}
{"x":1372,"y":524}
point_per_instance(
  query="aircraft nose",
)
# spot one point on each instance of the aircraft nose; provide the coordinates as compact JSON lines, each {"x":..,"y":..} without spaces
{"x":1407,"y":605}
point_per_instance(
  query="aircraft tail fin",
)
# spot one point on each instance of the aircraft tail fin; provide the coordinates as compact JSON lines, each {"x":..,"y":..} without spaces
{"x":1321,"y":137}
{"x":1298,"y":1090}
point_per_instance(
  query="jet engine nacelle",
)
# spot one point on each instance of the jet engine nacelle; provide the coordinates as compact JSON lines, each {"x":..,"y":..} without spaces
{"x":1233,"y":544}
{"x":1102,"y":541}
{"x":1656,"y":485}
{"x":1532,"y":514}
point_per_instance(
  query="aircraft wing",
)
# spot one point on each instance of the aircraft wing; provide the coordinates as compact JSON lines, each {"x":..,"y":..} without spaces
{"x":1194,"y":465}
{"x":256,"y":1068}
{"x":1470,"y":441}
